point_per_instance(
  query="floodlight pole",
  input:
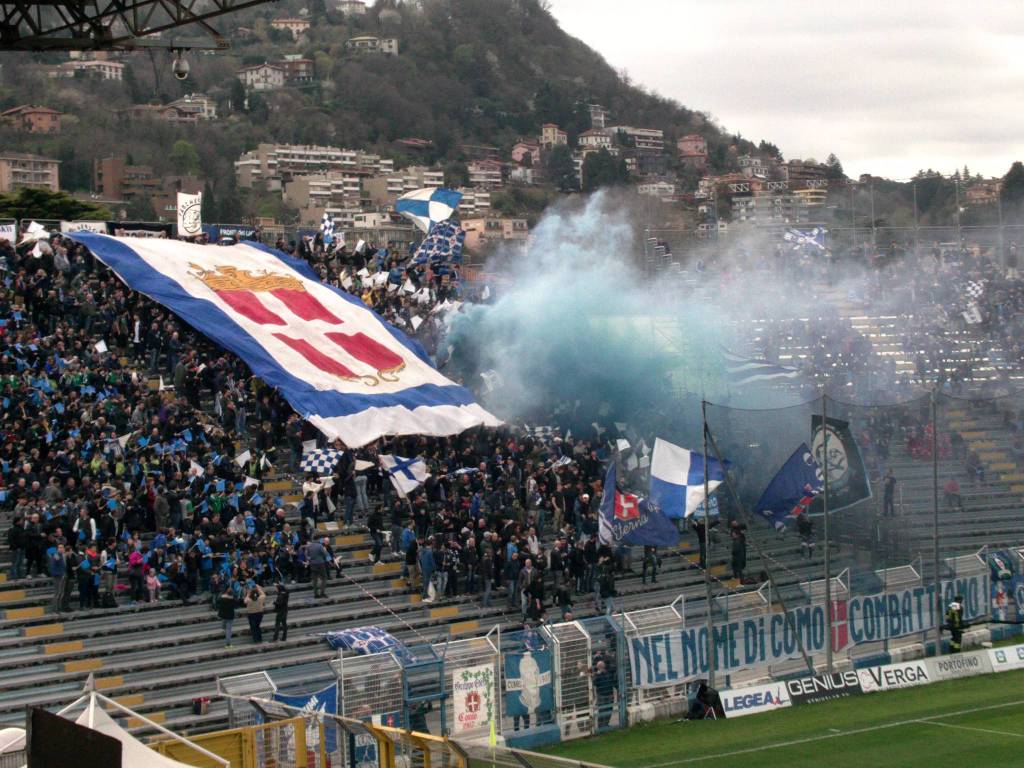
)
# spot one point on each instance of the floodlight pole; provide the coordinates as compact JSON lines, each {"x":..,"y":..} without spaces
{"x":707,"y":551}
{"x":828,"y":556}
{"x":935,"y":526}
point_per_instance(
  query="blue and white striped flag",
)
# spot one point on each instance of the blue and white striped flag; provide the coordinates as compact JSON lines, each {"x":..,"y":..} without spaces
{"x":426,"y":207}
{"x":746,"y":370}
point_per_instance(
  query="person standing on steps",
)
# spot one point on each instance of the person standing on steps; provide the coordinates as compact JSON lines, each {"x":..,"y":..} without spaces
{"x":889,"y":494}
{"x":255,"y":603}
{"x":59,"y":574}
{"x":316,"y":556}
{"x":650,"y":562}
{"x":226,"y":605}
{"x":738,"y":534}
{"x":281,"y":612}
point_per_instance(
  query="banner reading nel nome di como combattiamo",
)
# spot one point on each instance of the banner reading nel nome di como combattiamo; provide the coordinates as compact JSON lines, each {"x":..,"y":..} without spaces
{"x":681,"y":654}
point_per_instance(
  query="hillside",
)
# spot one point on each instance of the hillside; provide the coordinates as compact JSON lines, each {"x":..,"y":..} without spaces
{"x":468,"y":72}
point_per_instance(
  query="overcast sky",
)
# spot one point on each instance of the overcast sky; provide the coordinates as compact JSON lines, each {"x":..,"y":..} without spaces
{"x":890,"y":87}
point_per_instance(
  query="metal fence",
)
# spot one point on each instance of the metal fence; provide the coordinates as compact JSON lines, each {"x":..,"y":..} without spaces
{"x":551,"y":683}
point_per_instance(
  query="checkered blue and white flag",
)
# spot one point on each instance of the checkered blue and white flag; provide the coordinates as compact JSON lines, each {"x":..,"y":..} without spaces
{"x":426,"y":207}
{"x":443,"y":245}
{"x":973,"y":289}
{"x":327,"y":228}
{"x":320,"y":461}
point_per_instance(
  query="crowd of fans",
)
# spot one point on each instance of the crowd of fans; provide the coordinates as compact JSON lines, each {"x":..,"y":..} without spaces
{"x":121,"y":426}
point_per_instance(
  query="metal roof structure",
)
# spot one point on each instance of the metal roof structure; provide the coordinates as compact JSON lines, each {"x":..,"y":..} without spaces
{"x":111,"y":24}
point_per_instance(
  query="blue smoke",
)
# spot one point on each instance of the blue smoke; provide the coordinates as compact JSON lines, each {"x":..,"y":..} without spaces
{"x":579,"y":332}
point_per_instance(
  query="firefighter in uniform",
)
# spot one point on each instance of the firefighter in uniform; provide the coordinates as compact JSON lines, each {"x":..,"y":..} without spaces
{"x":955,"y":623}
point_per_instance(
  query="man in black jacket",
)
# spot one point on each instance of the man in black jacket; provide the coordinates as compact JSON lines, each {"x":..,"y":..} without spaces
{"x":376,"y":523}
{"x":281,"y":612}
{"x":16,"y":543}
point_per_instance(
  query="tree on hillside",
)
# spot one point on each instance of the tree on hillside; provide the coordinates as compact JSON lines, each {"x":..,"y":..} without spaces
{"x":834,"y":168}
{"x":209,"y":204}
{"x":769,"y":149}
{"x":42,"y":204}
{"x":456,"y":174}
{"x":236,"y":96}
{"x":562,"y":169}
{"x":1012,"y":193}
{"x":603,"y":169}
{"x":184,"y":158}
{"x":140,"y":208}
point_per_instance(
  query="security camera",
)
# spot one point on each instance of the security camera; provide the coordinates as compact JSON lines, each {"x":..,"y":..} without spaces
{"x":180,"y":67}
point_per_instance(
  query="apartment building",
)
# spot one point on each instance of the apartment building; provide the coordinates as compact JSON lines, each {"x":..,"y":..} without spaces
{"x":485,"y":173}
{"x":19,"y":169}
{"x":99,"y":69}
{"x":199,"y":104}
{"x":273,"y":164}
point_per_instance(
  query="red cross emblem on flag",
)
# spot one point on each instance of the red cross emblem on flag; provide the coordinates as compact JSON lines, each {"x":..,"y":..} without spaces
{"x":627,"y":506}
{"x":242,"y":289}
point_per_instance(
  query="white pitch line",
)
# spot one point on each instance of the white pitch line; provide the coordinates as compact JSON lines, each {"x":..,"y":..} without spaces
{"x":977,"y":730}
{"x":827,"y":736}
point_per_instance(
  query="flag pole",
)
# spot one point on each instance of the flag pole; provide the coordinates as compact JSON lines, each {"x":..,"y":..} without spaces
{"x":707,"y":550}
{"x":828,"y":558}
{"x":935,"y":526}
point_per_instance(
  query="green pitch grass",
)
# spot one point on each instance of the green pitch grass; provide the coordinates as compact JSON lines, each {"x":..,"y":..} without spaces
{"x":928,"y":726}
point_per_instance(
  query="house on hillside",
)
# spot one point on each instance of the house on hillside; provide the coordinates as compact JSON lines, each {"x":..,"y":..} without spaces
{"x":372,"y":44}
{"x":598,"y":115}
{"x":526,"y":148}
{"x":98,"y":69}
{"x":262,"y":77}
{"x":165,"y":113}
{"x":298,"y":27}
{"x":598,"y":139}
{"x":644,"y":139}
{"x":199,"y":104}
{"x":485,"y":173}
{"x":297,"y":70}
{"x":33,"y":119}
{"x":693,"y":151}
{"x":551,"y":136}
{"x":481,"y":231}
{"x":350,"y":7}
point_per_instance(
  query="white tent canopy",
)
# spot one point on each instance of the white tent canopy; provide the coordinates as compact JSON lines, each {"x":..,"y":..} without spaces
{"x":133,"y":751}
{"x":11,"y":740}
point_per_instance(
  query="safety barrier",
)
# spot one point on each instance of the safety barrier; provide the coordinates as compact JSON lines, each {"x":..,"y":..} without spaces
{"x":562,"y":681}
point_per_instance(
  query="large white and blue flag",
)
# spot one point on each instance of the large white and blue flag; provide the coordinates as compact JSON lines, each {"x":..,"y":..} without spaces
{"x":677,"y":478}
{"x":406,"y":474}
{"x":337,"y":363}
{"x":746,"y":370}
{"x":425,"y":207}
